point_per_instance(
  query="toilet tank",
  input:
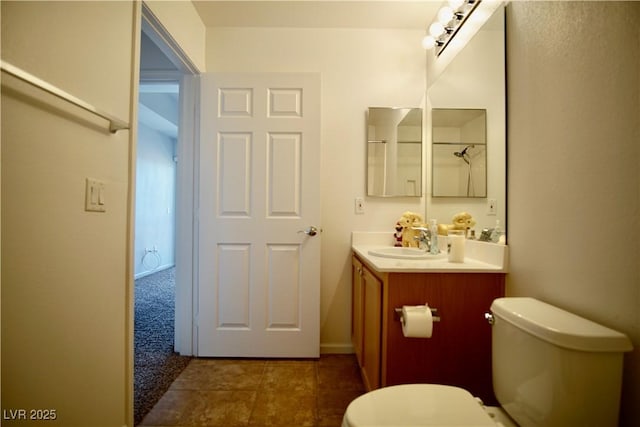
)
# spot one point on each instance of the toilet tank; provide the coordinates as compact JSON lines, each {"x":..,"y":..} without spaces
{"x":553,"y":368}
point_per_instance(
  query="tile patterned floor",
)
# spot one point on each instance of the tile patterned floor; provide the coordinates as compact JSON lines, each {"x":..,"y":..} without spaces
{"x":260,"y":393}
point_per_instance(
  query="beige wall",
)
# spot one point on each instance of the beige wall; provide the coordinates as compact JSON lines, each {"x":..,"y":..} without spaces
{"x":65,"y":295}
{"x":359,"y":69}
{"x":574,"y":164}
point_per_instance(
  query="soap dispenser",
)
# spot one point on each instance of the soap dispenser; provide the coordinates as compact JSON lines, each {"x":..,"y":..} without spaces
{"x":433,"y":231}
{"x":497,"y":233}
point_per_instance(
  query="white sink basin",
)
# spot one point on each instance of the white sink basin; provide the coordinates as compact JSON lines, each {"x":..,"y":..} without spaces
{"x":404,"y":253}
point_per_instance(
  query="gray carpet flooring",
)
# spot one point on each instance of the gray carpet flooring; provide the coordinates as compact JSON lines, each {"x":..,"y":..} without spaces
{"x":156,"y":365}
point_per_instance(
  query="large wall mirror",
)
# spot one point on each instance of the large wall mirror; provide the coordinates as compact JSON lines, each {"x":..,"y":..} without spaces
{"x":469,"y":174}
{"x":394,"y":152}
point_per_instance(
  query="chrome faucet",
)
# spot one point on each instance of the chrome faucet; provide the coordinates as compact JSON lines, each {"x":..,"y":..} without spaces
{"x":424,"y":238}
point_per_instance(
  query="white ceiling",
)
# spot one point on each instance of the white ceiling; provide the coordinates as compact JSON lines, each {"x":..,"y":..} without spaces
{"x":397,"y":14}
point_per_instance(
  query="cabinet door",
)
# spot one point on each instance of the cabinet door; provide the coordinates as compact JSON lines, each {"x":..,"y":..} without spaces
{"x":372,"y":322}
{"x":459,"y":351}
{"x":356,"y":308}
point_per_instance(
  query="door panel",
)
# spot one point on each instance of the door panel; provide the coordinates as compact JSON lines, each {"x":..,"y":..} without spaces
{"x":234,"y":174}
{"x":233,"y":286}
{"x":284,"y":170}
{"x":283,"y":298}
{"x":259,"y":187}
{"x":372,"y":309}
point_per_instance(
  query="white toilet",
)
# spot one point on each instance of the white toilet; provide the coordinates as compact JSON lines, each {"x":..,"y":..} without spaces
{"x":550,"y":368}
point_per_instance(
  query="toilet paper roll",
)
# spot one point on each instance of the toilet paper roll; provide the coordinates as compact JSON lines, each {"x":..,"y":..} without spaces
{"x":417,"y":321}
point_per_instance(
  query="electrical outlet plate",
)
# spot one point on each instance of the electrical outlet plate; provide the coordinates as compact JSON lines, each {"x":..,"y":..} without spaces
{"x":492,"y":206}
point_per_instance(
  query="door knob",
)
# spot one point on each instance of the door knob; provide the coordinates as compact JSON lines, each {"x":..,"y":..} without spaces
{"x":311,"y":231}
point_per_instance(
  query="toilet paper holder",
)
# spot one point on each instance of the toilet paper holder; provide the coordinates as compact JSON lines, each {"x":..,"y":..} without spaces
{"x":434,"y":312}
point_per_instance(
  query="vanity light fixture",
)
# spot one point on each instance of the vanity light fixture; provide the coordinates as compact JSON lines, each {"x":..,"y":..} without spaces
{"x":449,"y":20}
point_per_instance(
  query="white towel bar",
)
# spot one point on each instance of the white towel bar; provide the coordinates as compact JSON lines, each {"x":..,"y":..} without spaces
{"x":115,"y":124}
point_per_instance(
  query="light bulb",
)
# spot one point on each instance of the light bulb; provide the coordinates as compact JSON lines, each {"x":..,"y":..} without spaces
{"x":428,"y":42}
{"x":455,"y":4}
{"x":445,"y":15}
{"x":436,"y":29}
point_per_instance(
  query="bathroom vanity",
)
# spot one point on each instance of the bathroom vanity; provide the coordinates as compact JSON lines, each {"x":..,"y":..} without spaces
{"x":459,"y":350}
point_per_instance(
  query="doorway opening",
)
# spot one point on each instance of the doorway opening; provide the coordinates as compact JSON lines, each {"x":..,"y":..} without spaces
{"x":156,"y":178}
{"x":156,"y":364}
{"x":163,"y":217}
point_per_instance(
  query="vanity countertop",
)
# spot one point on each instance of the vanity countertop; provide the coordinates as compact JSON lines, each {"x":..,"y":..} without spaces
{"x":480,"y":257}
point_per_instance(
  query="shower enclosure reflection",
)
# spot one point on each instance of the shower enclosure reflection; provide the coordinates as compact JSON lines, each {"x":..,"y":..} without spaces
{"x":459,"y":152}
{"x":394,"y":152}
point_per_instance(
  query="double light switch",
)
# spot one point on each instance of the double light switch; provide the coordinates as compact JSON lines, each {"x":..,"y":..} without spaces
{"x":95,"y":196}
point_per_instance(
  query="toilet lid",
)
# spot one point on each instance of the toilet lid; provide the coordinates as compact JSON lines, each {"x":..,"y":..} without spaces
{"x":417,"y":405}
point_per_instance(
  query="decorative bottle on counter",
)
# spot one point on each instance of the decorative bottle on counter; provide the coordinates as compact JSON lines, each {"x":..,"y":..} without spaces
{"x":497,"y":232}
{"x":433,"y":246}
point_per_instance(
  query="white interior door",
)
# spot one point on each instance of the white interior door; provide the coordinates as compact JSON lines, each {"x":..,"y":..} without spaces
{"x":259,"y":187}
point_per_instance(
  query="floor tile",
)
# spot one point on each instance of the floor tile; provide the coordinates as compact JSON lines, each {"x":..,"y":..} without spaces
{"x":171,"y":409}
{"x":289,"y":377}
{"x":333,"y":403}
{"x":202,"y":408}
{"x":260,"y":393}
{"x":284,"y":409}
{"x":332,"y":421}
{"x":220,"y":375}
{"x":339,"y":372}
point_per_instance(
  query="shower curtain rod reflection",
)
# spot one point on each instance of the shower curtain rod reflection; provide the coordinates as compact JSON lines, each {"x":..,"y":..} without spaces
{"x":464,"y":155}
{"x":115,"y":124}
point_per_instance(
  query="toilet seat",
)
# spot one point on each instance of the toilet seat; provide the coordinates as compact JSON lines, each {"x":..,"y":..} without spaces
{"x":417,"y":405}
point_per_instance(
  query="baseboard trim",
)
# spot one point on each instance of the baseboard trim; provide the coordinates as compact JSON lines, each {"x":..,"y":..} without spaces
{"x":336,"y":348}
{"x":150,"y":272}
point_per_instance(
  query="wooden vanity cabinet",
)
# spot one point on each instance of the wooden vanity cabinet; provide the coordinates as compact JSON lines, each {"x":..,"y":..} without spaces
{"x":366,"y":325}
{"x":459,"y":350}
{"x":356,"y":308}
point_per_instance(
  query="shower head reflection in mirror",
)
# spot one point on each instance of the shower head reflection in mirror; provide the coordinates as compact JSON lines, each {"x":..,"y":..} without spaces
{"x":463,"y":154}
{"x":467,"y":159}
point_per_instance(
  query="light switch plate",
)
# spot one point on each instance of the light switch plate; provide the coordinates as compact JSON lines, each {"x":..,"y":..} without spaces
{"x":94,"y":199}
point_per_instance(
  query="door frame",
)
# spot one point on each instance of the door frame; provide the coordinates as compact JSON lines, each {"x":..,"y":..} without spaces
{"x":186,"y":177}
